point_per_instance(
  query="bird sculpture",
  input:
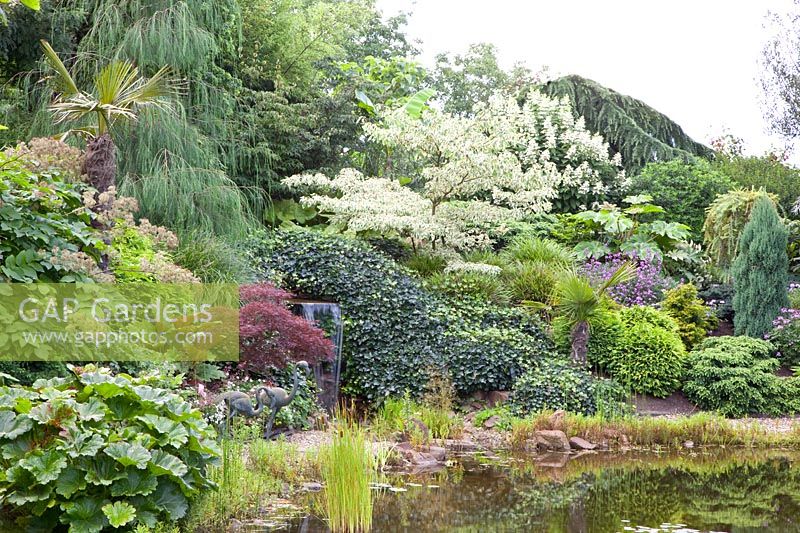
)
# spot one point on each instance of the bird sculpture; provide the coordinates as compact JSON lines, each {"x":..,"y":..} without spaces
{"x":239,"y":403}
{"x":279,"y":398}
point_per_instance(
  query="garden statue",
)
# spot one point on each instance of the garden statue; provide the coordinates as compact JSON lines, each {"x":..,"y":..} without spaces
{"x":239,"y":403}
{"x":279,"y":398}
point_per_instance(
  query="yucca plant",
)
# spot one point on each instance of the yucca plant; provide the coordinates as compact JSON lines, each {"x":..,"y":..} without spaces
{"x":578,"y":301}
{"x":118,"y":95}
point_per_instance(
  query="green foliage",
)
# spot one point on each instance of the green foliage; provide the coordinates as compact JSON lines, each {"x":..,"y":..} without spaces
{"x":40,"y":213}
{"x":394,"y":329}
{"x":95,"y":449}
{"x":467,"y":284}
{"x":606,"y":333}
{"x":725,"y":220}
{"x":130,"y":247}
{"x":760,"y":271}
{"x":211,"y":259}
{"x":532,"y":267}
{"x":767,"y":172}
{"x":557,"y":384}
{"x":503,"y":413}
{"x":650,"y":358}
{"x":633,"y":129}
{"x":735,"y":376}
{"x":398,"y":414}
{"x":683,"y":189}
{"x":694,"y":318}
{"x":426,"y":264}
{"x":632,"y":230}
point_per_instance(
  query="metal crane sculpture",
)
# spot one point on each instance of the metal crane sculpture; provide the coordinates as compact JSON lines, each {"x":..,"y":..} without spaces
{"x":239,"y":403}
{"x":279,"y":398}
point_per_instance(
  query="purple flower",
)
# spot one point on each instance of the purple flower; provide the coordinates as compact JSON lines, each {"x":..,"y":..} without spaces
{"x":646,"y":288}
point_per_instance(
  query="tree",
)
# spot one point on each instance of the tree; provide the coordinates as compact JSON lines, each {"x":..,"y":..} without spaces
{"x":683,"y":189}
{"x":578,"y":302}
{"x":781,"y":72}
{"x":760,"y":271}
{"x":631,"y":127}
{"x":118,"y":95}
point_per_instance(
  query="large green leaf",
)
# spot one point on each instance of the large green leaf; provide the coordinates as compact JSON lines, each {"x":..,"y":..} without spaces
{"x":174,"y":434}
{"x":156,"y":396}
{"x":102,"y":470}
{"x":135,"y":483}
{"x":36,"y":493}
{"x":46,"y":466}
{"x":94,"y":410}
{"x":119,"y":513}
{"x":417,"y":102}
{"x":129,"y":454}
{"x":162,"y":462}
{"x":79,"y":443}
{"x":70,"y":481}
{"x":13,"y":425}
{"x":84,"y":515}
{"x":169,"y":498}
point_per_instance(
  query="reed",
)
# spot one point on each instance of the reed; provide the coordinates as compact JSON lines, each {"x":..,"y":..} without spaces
{"x":348,"y":467}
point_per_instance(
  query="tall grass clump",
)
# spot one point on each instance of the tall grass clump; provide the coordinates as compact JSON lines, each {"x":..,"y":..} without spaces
{"x":348,"y":468}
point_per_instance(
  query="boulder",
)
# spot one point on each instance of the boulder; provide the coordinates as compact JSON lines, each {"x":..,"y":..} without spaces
{"x":436,"y":452}
{"x":497,"y":397}
{"x":578,"y":443}
{"x":557,"y":418}
{"x":491,"y":422}
{"x":462,"y":446}
{"x":552,"y":440}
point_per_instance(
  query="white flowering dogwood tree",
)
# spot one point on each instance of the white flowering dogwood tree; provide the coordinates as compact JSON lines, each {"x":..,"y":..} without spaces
{"x":449,"y":180}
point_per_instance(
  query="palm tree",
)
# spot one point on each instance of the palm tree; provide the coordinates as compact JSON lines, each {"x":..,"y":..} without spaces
{"x":118,"y":95}
{"x":578,"y":301}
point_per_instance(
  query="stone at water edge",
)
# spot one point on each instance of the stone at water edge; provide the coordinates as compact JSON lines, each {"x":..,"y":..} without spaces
{"x":552,"y":460}
{"x":688,"y":444}
{"x":552,"y":440}
{"x":581,"y":444}
{"x":311,"y":487}
{"x":491,"y":422}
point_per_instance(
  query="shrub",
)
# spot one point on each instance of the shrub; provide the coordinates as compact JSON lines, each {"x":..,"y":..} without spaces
{"x":50,"y":156}
{"x":645,"y":288}
{"x":694,"y":318}
{"x":531,"y":282}
{"x":558,"y":384}
{"x":785,"y":336}
{"x":734,"y":376}
{"x":94,"y":449}
{"x":212,"y":260}
{"x":760,"y":271}
{"x":526,"y":249}
{"x":270,"y":335}
{"x":466,"y":284}
{"x":394,"y":329}
{"x":606,"y":333}
{"x":762,"y":172}
{"x":719,"y":297}
{"x":683,"y":189}
{"x":425,"y":264}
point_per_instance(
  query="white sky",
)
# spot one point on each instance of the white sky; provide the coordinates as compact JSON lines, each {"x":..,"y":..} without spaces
{"x":694,"y":60}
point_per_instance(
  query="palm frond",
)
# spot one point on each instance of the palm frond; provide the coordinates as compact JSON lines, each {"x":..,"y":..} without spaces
{"x":576,"y":299}
{"x":625,"y":273}
{"x":68,"y":85}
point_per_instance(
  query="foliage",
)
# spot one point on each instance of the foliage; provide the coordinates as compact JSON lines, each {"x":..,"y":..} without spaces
{"x":734,"y":376}
{"x":42,"y":219}
{"x":400,"y":414}
{"x":555,"y":384}
{"x":451,"y":176}
{"x":468,"y":284}
{"x":632,"y":128}
{"x":694,"y":318}
{"x":760,"y":271}
{"x":768,"y":172}
{"x":606,"y":337}
{"x":95,"y":449}
{"x":785,"y":336}
{"x":725,"y":220}
{"x":48,"y":155}
{"x":780,"y":71}
{"x":271,"y":335}
{"x":650,"y":358}
{"x":719,"y":297}
{"x":645,"y":288}
{"x":394,"y":329}
{"x":533,"y":266}
{"x":211,"y":259}
{"x":683,"y":189}
{"x":426,"y":264}
{"x":626,"y":230}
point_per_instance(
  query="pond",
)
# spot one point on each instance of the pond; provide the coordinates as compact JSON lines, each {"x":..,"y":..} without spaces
{"x":697,"y":490}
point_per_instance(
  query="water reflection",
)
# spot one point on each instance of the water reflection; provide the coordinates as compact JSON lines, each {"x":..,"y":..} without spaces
{"x":735,"y":491}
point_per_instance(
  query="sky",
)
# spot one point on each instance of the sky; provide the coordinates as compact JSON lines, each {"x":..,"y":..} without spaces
{"x":697,"y":61}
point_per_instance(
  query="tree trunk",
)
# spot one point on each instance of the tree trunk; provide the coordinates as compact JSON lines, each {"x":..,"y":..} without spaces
{"x":580,"y":342}
{"x":100,"y":164}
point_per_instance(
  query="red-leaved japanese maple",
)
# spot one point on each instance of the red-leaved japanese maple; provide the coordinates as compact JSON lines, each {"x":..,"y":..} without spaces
{"x":270,"y":335}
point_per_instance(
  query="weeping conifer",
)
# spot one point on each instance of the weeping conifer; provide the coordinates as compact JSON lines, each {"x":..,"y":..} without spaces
{"x":178,"y":163}
{"x":633,"y":129}
{"x":760,"y":271}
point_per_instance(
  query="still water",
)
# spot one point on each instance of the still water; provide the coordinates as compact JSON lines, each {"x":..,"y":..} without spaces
{"x":733,"y":491}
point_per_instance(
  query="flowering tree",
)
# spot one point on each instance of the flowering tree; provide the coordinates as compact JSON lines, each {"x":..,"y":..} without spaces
{"x":269,"y":334}
{"x":448,"y":178}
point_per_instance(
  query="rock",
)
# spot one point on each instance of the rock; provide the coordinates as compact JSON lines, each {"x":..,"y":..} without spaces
{"x":479,"y":396}
{"x":436,"y":452}
{"x":688,"y":444}
{"x":497,"y":397}
{"x":557,"y":418}
{"x":552,"y":440}
{"x":461,"y":446}
{"x":311,"y":487}
{"x":491,"y":421}
{"x":578,"y":443}
{"x":552,"y":460}
{"x":581,"y":454}
{"x":470,"y":417}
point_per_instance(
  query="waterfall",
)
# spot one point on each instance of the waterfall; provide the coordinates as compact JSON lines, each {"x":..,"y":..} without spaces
{"x":316,"y":312}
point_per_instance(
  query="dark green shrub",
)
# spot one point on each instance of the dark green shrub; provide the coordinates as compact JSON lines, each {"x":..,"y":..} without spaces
{"x":558,"y":384}
{"x":465,"y":284}
{"x":694,"y":318}
{"x":683,"y":189}
{"x":394,"y":329}
{"x":554,"y":384}
{"x":760,"y":271}
{"x":94,"y":449}
{"x":426,"y":265}
{"x":735,"y":376}
{"x":719,"y":297}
